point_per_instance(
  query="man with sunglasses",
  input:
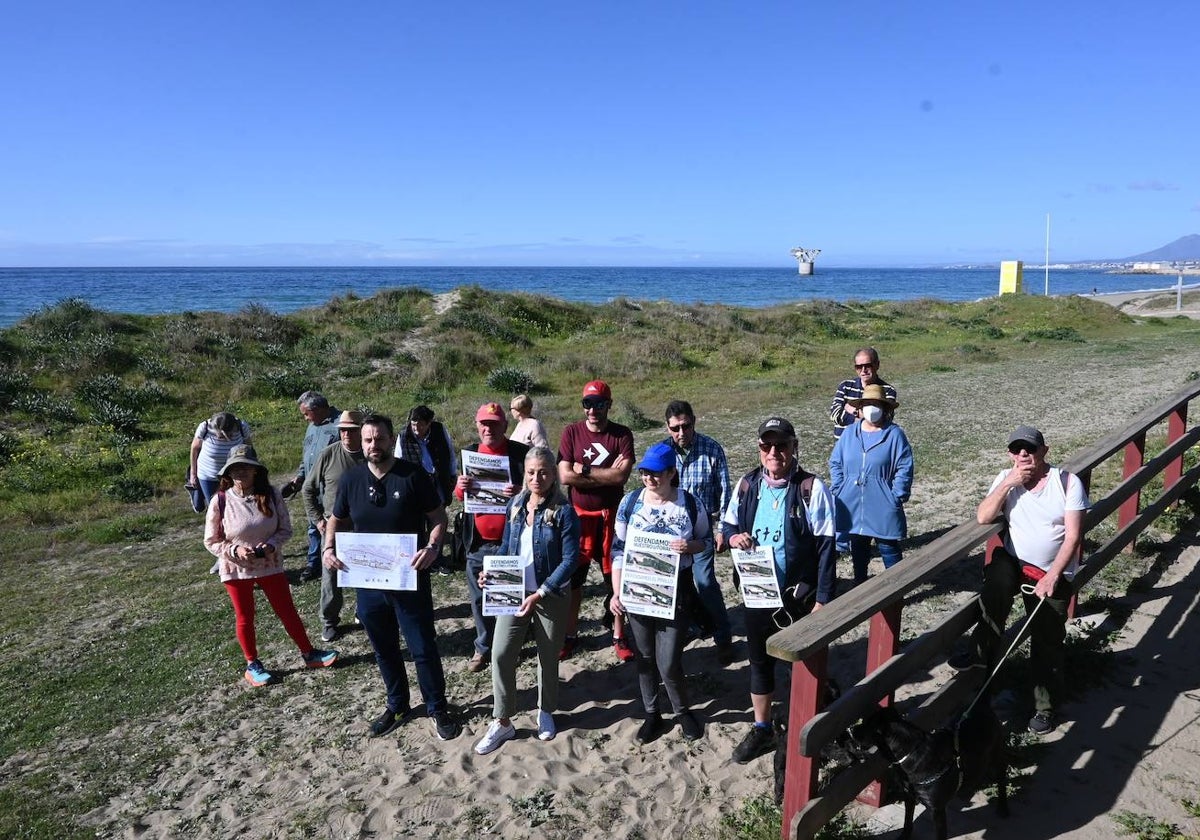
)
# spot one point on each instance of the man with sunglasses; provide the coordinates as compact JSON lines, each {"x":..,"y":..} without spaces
{"x":782,"y":507}
{"x":387,"y":495}
{"x":1042,"y":507}
{"x":595,"y":459}
{"x":866,"y":370}
{"x":704,"y":472}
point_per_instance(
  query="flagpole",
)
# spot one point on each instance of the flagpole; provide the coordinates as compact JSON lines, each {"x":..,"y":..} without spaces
{"x":1047,"y":265}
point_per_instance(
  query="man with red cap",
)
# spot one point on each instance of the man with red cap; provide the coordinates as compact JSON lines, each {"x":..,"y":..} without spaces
{"x":595,"y":459}
{"x":483,"y":531}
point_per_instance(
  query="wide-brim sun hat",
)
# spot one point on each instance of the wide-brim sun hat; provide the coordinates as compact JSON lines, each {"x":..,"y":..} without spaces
{"x":873,"y":394}
{"x":241,"y":454}
{"x":351,"y":420}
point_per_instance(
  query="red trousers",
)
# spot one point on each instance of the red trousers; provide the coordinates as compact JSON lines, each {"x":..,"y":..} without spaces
{"x":279,"y":596}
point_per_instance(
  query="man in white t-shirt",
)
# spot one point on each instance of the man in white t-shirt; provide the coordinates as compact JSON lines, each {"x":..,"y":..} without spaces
{"x":1043,"y":507}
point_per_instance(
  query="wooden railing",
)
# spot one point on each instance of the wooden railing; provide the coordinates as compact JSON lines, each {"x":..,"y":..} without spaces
{"x":880,"y":600}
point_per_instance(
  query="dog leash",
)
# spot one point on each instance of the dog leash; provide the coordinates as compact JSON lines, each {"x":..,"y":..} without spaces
{"x":1026,"y":589}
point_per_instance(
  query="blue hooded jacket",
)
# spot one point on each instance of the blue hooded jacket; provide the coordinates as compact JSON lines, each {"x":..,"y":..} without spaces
{"x":871,"y":482}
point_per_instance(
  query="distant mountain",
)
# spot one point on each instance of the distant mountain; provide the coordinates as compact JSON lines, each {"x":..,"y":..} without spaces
{"x":1182,"y":249}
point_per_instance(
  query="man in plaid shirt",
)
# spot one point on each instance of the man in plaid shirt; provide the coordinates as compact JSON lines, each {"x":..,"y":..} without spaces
{"x":704,"y":472}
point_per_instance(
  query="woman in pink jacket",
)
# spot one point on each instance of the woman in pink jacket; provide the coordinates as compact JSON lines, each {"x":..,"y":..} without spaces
{"x":246,"y":527}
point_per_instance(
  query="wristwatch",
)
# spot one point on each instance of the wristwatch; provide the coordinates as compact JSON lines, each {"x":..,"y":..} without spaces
{"x":586,"y":470}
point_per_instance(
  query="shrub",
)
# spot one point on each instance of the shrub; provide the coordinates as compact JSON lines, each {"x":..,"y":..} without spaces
{"x":286,"y":382}
{"x":42,"y":405}
{"x":637,"y":420}
{"x":129,"y":489}
{"x":9,"y":444}
{"x":1057,"y":334}
{"x":13,"y":383}
{"x":118,"y":417}
{"x":510,"y":380}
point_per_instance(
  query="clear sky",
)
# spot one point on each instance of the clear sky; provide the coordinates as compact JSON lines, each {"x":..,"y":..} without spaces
{"x":595,"y":133}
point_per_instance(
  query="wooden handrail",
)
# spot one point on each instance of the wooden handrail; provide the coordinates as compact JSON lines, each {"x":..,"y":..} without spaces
{"x":806,"y":643}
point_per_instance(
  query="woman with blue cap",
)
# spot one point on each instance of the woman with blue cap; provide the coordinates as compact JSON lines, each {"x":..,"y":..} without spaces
{"x":660,"y":508}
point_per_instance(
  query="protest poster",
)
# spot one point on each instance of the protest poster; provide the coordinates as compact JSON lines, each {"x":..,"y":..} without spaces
{"x":504,"y":584}
{"x":377,"y":561}
{"x":650,"y":575}
{"x":756,"y":577}
{"x":489,"y":476}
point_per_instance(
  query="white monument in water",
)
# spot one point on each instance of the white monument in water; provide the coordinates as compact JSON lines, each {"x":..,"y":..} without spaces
{"x":804,"y":258}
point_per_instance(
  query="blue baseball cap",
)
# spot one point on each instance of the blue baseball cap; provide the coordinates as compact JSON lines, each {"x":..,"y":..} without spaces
{"x":659,"y":457}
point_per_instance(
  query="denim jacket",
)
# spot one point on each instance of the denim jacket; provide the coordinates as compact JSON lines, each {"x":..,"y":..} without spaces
{"x":555,"y":545}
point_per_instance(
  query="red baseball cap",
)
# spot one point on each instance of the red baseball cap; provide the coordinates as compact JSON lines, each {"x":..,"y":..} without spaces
{"x":597,"y":388}
{"x":491,"y":411}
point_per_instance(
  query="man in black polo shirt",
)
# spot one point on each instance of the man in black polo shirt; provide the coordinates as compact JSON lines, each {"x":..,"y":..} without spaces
{"x":390,"y":496}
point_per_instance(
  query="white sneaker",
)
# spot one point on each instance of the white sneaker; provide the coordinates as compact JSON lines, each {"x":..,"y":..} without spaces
{"x":496,"y":735}
{"x":546,"y":728}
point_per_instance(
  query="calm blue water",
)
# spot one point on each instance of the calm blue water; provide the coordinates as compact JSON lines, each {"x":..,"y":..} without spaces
{"x":156,"y":290}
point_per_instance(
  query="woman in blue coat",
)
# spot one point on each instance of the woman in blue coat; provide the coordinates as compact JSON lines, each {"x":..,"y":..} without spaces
{"x":871,"y":471}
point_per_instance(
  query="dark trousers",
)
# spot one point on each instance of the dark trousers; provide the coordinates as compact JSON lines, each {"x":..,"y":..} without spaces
{"x":1047,"y":632}
{"x":386,"y":614}
{"x":660,"y":654}
{"x":485,"y":626}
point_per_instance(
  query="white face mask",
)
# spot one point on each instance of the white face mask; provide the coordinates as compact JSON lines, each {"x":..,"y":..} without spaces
{"x":872,"y":413}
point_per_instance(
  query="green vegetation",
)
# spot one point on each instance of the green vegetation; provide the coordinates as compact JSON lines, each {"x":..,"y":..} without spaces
{"x":116,"y":622}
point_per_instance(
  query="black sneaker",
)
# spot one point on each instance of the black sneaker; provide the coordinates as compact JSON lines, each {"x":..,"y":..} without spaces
{"x":651,"y":728}
{"x":758,"y":741}
{"x":446,"y":726}
{"x":310,"y":573}
{"x":1042,"y":723}
{"x":965,"y":660}
{"x":725,"y":654}
{"x":689,"y":726}
{"x":329,"y":634}
{"x":387,"y":722}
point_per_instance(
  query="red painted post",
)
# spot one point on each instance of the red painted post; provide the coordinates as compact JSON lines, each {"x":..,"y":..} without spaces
{"x":882,"y":644}
{"x":1135,"y":455}
{"x":800,"y":776}
{"x":1176,"y":426}
{"x":1085,"y":478}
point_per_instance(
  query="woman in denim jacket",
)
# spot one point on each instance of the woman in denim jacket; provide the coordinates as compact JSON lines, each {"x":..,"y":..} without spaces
{"x":543,"y":529}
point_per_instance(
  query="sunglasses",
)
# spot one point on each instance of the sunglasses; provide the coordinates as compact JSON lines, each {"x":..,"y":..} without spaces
{"x":867,"y":366}
{"x":782,"y":446}
{"x":592,"y":403}
{"x":376,"y":493}
{"x":1018,"y":448}
{"x":682,"y":427}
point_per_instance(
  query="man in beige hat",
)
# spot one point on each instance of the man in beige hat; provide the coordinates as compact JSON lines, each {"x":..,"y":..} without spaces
{"x":320,"y":488}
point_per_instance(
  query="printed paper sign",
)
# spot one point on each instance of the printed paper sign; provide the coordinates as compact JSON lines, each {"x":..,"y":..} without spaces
{"x":650,"y":576}
{"x":377,"y":561}
{"x":489,"y":476}
{"x":504,"y":584}
{"x":756,"y":577}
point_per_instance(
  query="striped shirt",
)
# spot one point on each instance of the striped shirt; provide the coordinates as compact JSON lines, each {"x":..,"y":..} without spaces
{"x":851,"y":389}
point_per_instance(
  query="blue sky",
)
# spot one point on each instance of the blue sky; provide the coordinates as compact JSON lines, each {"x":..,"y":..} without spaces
{"x":681,"y":133}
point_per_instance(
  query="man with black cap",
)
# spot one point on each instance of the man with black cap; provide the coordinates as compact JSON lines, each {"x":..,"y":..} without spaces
{"x":595,"y":459}
{"x":1042,"y":507}
{"x":780,"y":506}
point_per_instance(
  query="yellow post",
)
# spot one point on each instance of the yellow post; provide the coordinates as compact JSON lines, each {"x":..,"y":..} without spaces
{"x":1010,"y":277}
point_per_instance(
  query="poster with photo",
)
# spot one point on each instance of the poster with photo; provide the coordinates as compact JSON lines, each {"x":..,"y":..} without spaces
{"x":756,"y":577}
{"x":489,"y":476}
{"x":377,"y":561}
{"x":650,"y":575}
{"x":504,"y":584}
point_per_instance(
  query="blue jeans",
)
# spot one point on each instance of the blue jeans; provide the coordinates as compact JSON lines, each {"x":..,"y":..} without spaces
{"x":709,"y":590}
{"x":860,"y":554}
{"x":314,"y":547}
{"x":208,"y":486}
{"x":384,"y":615}
{"x":485,"y":626}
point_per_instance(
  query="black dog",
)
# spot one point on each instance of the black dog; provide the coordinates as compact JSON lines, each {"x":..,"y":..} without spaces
{"x":835,"y":752}
{"x":935,"y":766}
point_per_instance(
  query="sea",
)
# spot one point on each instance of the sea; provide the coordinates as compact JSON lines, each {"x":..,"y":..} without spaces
{"x":282,"y":290}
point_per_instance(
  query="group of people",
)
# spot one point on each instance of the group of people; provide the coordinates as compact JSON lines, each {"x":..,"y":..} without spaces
{"x":565,"y":511}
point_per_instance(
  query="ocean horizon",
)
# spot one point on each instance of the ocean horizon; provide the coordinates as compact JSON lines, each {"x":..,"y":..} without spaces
{"x":288,"y":289}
